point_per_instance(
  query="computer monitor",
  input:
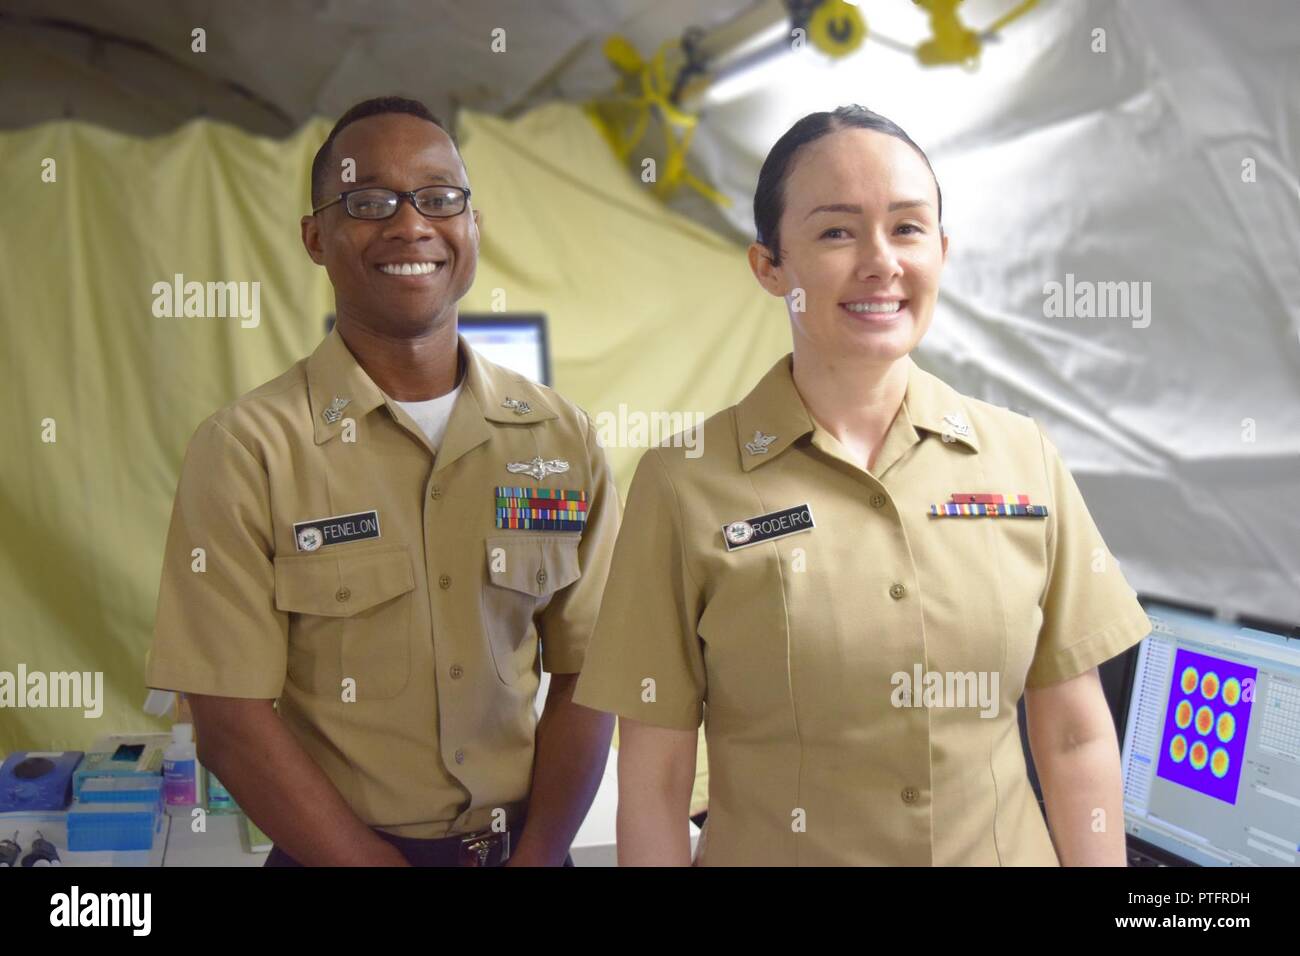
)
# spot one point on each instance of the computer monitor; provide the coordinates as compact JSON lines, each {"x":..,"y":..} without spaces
{"x":1211,"y":753}
{"x":516,"y":341}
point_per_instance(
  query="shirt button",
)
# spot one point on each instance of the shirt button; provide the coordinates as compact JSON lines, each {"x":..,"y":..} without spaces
{"x":444,"y":582}
{"x":896,"y":591}
{"x":456,"y":671}
{"x":460,"y":756}
{"x":342,"y":594}
{"x":877,"y":501}
{"x":541,"y":578}
{"x":910,"y":794}
{"x":435,"y":492}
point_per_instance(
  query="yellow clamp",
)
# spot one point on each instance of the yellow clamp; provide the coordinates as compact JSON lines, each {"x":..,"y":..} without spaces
{"x":952,"y":42}
{"x":836,"y":28}
{"x":647,"y":88}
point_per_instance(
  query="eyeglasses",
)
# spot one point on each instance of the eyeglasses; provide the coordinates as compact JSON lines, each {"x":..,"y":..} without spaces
{"x":434,"y":202}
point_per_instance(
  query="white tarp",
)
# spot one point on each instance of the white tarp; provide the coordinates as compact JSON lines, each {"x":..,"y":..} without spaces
{"x":1130,"y":166}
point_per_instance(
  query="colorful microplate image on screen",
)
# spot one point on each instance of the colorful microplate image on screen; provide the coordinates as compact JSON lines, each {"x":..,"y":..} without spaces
{"x":1205,"y":724}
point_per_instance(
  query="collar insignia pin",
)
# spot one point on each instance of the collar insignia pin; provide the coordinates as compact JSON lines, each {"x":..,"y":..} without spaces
{"x":334,"y":411}
{"x":956,"y":425}
{"x":759,"y":445}
{"x":520,"y":408}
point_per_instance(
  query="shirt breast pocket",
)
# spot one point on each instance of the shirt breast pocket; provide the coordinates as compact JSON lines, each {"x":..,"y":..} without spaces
{"x":1020,"y":549}
{"x":524,"y":570}
{"x":350,"y":617}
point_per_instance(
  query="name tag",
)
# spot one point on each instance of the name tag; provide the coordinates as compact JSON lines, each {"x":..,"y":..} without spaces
{"x":340,"y":529}
{"x":768,"y":527}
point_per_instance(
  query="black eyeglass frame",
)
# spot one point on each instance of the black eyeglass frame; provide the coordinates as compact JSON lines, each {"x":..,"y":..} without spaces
{"x":343,"y":196}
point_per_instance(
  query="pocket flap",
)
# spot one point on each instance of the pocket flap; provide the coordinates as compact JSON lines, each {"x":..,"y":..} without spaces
{"x":340,"y":585}
{"x":533,"y":563}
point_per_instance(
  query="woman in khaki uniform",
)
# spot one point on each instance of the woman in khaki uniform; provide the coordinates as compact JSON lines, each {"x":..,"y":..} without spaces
{"x":862,"y":574}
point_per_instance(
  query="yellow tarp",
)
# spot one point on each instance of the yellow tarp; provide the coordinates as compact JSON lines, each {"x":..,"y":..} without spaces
{"x":646,"y":310}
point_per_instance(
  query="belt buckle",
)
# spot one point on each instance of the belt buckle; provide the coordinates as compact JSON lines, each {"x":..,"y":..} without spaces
{"x":485,"y":849}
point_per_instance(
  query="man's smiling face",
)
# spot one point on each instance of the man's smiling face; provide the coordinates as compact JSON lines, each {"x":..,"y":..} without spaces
{"x":367,"y":260}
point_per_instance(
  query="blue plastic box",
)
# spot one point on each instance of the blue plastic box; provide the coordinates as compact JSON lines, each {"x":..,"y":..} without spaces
{"x":122,"y":790}
{"x":112,"y":826}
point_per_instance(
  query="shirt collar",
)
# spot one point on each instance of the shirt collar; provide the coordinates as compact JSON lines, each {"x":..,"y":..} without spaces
{"x":339,"y":388}
{"x":935,"y":406}
{"x":773,"y":416}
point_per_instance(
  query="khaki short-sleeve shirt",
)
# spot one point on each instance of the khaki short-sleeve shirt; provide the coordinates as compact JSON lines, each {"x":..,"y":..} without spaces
{"x":812,"y":655}
{"x":391,"y":599}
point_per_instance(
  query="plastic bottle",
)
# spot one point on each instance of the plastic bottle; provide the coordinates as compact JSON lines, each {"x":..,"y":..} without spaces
{"x":219,"y":798}
{"x":180,"y":768}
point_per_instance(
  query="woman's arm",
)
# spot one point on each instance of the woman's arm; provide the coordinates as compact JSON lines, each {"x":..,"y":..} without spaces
{"x":656,"y":773}
{"x":1072,"y":738}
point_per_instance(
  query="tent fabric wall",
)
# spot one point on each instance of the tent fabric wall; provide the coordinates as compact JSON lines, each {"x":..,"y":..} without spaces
{"x":646,"y":310}
{"x":85,"y":515}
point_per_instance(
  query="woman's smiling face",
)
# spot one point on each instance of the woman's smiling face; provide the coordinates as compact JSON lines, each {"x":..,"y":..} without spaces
{"x":859,"y":235}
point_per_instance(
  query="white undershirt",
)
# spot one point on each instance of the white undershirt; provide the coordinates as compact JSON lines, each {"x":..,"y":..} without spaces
{"x":432,"y":415}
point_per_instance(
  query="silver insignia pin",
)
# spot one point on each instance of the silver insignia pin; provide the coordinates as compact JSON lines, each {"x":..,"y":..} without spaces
{"x":958,"y":426}
{"x":334,"y":411}
{"x":759,"y":445}
{"x":520,"y":408}
{"x":537,"y":468}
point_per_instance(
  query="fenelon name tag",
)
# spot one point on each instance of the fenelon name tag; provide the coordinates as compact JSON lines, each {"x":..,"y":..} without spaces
{"x":768,"y":527}
{"x":340,"y":529}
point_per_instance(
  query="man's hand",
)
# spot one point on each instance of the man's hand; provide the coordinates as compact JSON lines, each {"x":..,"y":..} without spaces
{"x":280,"y":787}
{"x":572,"y":749}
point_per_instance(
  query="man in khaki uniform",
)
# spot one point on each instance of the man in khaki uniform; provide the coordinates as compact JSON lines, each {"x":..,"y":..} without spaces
{"x":798,"y":604}
{"x":386,"y":578}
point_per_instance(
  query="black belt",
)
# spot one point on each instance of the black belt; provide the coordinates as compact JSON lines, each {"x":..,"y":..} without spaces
{"x":484,"y":848}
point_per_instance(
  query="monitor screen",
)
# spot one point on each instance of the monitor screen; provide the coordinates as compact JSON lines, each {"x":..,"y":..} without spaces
{"x":516,"y":341}
{"x":1211,"y":755}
